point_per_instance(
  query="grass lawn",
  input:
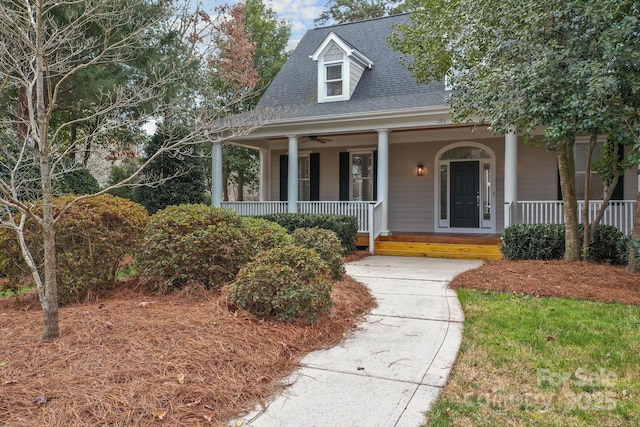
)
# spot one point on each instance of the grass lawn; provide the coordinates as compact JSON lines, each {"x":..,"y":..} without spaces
{"x":527,"y":361}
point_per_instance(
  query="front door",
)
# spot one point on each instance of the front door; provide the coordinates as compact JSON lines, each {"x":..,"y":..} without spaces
{"x":465,"y":194}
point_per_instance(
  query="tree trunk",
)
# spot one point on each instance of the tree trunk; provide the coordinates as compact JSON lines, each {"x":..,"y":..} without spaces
{"x":634,"y":262}
{"x":49,"y":301}
{"x":225,"y":180}
{"x":240,"y":186}
{"x":566,"y":167}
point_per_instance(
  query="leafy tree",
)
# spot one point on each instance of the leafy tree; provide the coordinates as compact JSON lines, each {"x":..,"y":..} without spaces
{"x":269,"y":37}
{"x":47,"y":45}
{"x":120,"y":173}
{"x":571,"y":67}
{"x":180,"y":176}
{"x":344,"y":11}
{"x":241,"y":166}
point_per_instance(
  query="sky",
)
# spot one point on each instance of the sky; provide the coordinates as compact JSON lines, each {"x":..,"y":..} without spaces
{"x":299,"y":13}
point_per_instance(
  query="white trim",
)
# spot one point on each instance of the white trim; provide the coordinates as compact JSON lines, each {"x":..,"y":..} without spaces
{"x":265,"y":175}
{"x":292,"y":177}
{"x":355,"y":122}
{"x":216,"y":174}
{"x":323,"y":80}
{"x":510,"y":176}
{"x":485,"y":226}
{"x":383,"y":178}
{"x":349,"y":51}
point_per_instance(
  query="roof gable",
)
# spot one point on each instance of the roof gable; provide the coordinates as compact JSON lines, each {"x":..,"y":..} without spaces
{"x":387,"y":86}
{"x":350,"y":51}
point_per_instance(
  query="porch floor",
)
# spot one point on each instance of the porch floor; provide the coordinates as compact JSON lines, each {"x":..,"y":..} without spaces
{"x":440,"y":245}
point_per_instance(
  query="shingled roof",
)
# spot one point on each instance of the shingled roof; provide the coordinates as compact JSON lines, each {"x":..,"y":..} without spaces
{"x":387,"y":87}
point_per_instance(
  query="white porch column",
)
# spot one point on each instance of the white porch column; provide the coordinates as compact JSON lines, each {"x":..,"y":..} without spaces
{"x":383,"y":178}
{"x":265,"y":173}
{"x":510,"y":177}
{"x":292,"y":183}
{"x":216,"y":174}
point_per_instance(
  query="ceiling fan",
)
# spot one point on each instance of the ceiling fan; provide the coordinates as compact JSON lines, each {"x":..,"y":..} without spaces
{"x":314,"y":138}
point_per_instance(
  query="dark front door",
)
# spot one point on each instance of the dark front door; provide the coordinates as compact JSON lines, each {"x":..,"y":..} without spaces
{"x":465,"y":194}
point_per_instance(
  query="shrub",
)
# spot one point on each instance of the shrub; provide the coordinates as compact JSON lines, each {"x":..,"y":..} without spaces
{"x":78,"y":181}
{"x":533,"y":241}
{"x":192,"y":243}
{"x":92,"y":237}
{"x":326,"y":244}
{"x":609,"y":245}
{"x":262,"y":234}
{"x":287,"y":283}
{"x":546,"y":242}
{"x":345,"y":226}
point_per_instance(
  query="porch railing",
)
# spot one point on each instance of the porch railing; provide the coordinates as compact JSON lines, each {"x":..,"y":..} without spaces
{"x":256,"y":208}
{"x":375,"y":219}
{"x":619,"y":213}
{"x":360,"y":210}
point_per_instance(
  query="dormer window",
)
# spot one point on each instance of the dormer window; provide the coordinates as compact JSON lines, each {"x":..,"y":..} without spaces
{"x":333,"y":80}
{"x":340,"y":67}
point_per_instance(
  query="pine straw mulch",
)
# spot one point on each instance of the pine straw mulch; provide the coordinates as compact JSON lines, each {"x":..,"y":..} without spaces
{"x":137,"y":359}
{"x":580,"y":280}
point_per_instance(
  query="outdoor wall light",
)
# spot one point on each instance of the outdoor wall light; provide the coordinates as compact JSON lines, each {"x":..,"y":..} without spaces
{"x":420,"y":170}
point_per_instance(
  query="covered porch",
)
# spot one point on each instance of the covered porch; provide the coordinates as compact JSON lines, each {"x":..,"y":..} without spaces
{"x":422,"y":177}
{"x":450,"y":245}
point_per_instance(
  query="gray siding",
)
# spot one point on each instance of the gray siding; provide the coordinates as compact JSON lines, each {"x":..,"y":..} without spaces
{"x":356,"y":73}
{"x":334,"y":53}
{"x":411,"y":198}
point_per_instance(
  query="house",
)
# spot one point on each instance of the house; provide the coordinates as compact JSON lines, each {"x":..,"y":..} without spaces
{"x":353,"y":133}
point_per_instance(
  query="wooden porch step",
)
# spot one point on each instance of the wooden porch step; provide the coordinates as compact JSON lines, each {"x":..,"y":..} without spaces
{"x":438,"y":249}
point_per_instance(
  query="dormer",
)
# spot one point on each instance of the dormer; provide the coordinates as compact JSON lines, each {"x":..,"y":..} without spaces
{"x":340,"y":67}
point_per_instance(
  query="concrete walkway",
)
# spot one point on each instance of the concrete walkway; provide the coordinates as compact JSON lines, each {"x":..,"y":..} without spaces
{"x":390,"y":370}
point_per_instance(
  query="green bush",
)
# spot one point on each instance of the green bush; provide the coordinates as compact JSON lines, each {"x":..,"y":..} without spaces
{"x":78,"y":181}
{"x":326,"y":244}
{"x":609,"y":245}
{"x":192,"y":244}
{"x":262,"y":234}
{"x":92,"y":237}
{"x":345,"y":226}
{"x":546,"y":242}
{"x":287,"y":283}
{"x":533,"y":241}
{"x":119,"y":173}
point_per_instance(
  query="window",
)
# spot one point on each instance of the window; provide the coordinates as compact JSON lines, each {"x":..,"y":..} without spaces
{"x":304,"y":181}
{"x":362,"y":176}
{"x":333,"y":79}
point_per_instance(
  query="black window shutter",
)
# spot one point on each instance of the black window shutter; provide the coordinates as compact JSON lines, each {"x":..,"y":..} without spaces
{"x":559,"y":184}
{"x":284,"y":177}
{"x":344,"y":175}
{"x":314,"y":176}
{"x":618,"y":192}
{"x":375,"y":175}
